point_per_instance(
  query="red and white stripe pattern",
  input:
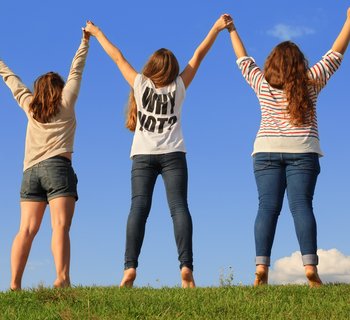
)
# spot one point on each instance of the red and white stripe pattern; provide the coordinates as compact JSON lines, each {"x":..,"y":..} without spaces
{"x":274,"y":117}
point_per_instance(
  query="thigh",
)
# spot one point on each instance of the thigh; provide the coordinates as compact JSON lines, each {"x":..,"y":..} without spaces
{"x":175,"y":175}
{"x":143,"y":176}
{"x":302,"y":172}
{"x":270,"y":177}
{"x":62,"y":210}
{"x":32,"y":213}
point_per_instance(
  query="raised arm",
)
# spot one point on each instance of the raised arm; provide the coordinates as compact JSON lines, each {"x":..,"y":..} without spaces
{"x":124,"y":66}
{"x":341,"y":43}
{"x":72,"y":87}
{"x":189,"y":72}
{"x":237,"y":43}
{"x":20,"y":92}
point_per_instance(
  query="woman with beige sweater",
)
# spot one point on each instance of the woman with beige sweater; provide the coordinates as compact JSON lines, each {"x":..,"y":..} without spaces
{"x":48,"y":176}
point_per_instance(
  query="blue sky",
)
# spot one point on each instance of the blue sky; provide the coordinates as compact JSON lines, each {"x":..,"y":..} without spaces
{"x":220,"y":119}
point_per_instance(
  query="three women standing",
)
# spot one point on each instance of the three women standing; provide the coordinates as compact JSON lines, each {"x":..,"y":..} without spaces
{"x":286,"y":150}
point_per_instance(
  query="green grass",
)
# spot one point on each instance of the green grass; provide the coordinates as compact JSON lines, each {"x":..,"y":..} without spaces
{"x":232,"y":302}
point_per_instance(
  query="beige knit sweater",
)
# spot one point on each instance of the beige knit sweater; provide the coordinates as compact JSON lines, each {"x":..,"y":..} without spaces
{"x":45,"y":140}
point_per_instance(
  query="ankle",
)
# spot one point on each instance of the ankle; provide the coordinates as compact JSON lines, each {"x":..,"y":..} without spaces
{"x":262,"y":269}
{"x":261,"y":275}
{"x":187,"y":278}
{"x":62,"y":282}
{"x":15,"y":285}
{"x":312,"y":276}
{"x":128,"y":278}
{"x":15,"y":288}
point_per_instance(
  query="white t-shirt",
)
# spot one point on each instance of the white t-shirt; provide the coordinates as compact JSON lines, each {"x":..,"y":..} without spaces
{"x":158,"y":126}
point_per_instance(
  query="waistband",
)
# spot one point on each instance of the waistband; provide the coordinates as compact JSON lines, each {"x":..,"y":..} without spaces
{"x":60,"y":158}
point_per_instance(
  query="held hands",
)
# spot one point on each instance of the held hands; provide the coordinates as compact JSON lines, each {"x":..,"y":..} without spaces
{"x":86,"y":35}
{"x":91,"y":28}
{"x":224,"y":22}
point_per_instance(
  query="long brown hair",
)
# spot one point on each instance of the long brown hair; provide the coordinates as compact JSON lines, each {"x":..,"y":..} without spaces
{"x":47,"y":97}
{"x":162,"y":68}
{"x":286,"y":68}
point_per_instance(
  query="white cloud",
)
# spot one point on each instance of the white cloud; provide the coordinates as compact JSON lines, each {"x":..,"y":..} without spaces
{"x":333,"y":266}
{"x":287,"y":32}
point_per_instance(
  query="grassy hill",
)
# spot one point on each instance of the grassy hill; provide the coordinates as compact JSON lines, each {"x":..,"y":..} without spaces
{"x":232,"y":302}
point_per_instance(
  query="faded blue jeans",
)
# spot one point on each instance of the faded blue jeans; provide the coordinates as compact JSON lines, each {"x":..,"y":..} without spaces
{"x":145,"y":169}
{"x":297,"y":173}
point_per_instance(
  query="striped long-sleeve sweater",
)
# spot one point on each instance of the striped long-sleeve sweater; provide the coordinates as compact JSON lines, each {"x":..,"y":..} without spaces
{"x":276,"y":133}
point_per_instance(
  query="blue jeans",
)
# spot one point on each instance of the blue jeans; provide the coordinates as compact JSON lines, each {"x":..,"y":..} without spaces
{"x":297,"y":173}
{"x":145,"y":169}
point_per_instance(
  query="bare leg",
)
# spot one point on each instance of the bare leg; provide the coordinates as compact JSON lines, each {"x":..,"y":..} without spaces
{"x":261,"y":275}
{"x":128,"y":278}
{"x":187,"y":278}
{"x":31,"y":216}
{"x":62,"y":210}
{"x":312,"y":275}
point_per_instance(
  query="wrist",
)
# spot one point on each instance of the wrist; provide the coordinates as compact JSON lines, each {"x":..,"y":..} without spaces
{"x":98,"y":32}
{"x":216,"y":29}
{"x":231,"y":28}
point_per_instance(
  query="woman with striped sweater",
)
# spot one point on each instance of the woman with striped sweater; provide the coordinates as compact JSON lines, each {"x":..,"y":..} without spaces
{"x":287,"y":149}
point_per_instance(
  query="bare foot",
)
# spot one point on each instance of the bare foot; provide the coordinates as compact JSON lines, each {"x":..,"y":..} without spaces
{"x":261,"y":275}
{"x":187,"y":278}
{"x":14,"y":288}
{"x":15,"y":285}
{"x":61,"y":283}
{"x":128,"y":278}
{"x":313,"y":277}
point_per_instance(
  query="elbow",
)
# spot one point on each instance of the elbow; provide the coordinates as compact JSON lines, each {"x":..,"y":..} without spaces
{"x":339,"y":49}
{"x":197,"y":59}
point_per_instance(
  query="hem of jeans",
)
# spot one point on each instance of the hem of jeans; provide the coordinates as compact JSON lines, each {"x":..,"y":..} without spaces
{"x":186,"y":264}
{"x":130,"y":265}
{"x":310,"y":259}
{"x":33,"y":200}
{"x":64,"y":195}
{"x":265,"y":260}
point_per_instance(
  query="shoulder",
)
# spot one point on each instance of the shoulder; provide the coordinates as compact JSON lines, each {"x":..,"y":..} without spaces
{"x":180,"y":83}
{"x":138,"y":80}
{"x":245,"y":60}
{"x":141,"y":80}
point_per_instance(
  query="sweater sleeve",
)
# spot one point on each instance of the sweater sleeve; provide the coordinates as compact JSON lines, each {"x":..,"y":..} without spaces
{"x":20,"y":92}
{"x":251,"y":72}
{"x":72,"y":87}
{"x":325,"y":68}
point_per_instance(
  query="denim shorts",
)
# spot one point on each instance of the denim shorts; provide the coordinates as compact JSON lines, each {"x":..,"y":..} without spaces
{"x":49,"y":179}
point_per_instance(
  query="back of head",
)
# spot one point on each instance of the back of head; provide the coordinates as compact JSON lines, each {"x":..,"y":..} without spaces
{"x":47,"y":97}
{"x":162,"y":68}
{"x":287,"y":69}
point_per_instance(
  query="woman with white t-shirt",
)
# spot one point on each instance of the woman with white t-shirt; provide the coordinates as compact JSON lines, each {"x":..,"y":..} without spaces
{"x":154,"y":115}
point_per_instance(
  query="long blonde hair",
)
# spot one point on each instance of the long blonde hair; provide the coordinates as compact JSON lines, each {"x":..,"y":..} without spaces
{"x":47,"y":97}
{"x":162,"y":68}
{"x":286,"y":68}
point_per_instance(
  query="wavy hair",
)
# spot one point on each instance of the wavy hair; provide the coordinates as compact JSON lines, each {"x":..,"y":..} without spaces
{"x":47,"y":97}
{"x":286,"y":68}
{"x":162,"y":68}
